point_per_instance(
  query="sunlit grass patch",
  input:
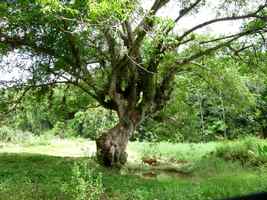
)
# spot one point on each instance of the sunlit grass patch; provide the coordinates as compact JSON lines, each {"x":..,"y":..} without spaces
{"x":34,"y":175}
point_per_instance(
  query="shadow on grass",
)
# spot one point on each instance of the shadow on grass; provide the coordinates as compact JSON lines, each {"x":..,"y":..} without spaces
{"x":33,"y":164}
{"x":36,"y":176}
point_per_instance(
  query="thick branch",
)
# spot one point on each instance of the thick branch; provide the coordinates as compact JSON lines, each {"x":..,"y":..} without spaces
{"x":212,"y":49}
{"x":231,"y":18}
{"x":164,"y":89}
{"x":25,"y":88}
{"x":128,"y":39}
{"x":146,"y":24}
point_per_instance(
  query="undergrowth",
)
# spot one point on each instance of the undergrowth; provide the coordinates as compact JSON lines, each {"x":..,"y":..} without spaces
{"x":249,"y":152}
{"x":85,"y":184}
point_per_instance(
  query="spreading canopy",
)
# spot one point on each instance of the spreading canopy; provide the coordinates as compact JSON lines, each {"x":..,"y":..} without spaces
{"x":120,"y":52}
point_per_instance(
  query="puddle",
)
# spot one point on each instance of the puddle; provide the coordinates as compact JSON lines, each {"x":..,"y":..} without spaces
{"x":159,"y":174}
{"x":159,"y":169}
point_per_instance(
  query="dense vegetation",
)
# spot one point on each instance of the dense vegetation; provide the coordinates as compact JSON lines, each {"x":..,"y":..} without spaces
{"x":225,"y":98}
{"x":127,"y":58}
{"x":79,"y":79}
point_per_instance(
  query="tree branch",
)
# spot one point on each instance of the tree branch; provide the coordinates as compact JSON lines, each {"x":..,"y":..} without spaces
{"x":17,"y":42}
{"x":185,"y":11}
{"x":128,"y":40}
{"x":250,"y":15}
{"x":146,"y":24}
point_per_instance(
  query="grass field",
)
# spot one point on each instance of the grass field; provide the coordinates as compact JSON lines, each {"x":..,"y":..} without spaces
{"x":65,"y":169}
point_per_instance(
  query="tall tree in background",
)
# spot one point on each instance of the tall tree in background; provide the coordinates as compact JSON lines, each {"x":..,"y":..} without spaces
{"x":124,"y":56}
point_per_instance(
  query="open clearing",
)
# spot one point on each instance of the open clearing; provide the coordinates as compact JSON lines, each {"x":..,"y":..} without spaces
{"x":42,"y":171}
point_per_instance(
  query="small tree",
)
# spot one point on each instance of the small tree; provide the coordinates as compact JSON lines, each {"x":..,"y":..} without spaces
{"x":124,"y":56}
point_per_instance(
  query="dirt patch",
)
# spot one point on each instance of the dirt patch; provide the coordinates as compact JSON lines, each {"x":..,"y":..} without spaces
{"x":154,"y":173}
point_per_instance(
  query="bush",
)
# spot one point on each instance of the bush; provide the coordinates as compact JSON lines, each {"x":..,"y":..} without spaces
{"x":249,"y":151}
{"x":62,"y":130}
{"x":85,"y":184}
{"x":154,"y":131}
{"x":15,"y":136}
{"x":8,"y":134}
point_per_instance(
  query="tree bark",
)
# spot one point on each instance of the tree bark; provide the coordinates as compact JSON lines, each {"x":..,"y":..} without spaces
{"x":264,"y":133}
{"x":111,"y":145}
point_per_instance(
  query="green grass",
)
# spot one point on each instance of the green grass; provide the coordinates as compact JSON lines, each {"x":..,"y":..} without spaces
{"x":182,"y":151}
{"x":26,"y":172}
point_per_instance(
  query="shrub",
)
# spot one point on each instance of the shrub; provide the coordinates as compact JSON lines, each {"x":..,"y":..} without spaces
{"x":250,"y":151}
{"x":154,"y":131}
{"x":62,"y":130}
{"x":16,"y":136}
{"x":85,"y":184}
{"x":8,"y":134}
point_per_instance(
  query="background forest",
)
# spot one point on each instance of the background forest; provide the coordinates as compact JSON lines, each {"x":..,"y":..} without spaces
{"x":132,"y":99}
{"x":223,"y":98}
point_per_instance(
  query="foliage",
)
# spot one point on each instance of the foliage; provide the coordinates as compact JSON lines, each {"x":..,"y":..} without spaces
{"x":220,"y":99}
{"x":11,"y":135}
{"x":16,"y":136}
{"x":249,"y":151}
{"x":92,"y":122}
{"x":62,"y":112}
{"x":84,"y":184}
{"x":119,"y":53}
{"x":39,"y":114}
{"x":211,"y":103}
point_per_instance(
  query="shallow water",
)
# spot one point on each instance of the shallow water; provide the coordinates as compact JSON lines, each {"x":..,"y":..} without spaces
{"x":159,"y":174}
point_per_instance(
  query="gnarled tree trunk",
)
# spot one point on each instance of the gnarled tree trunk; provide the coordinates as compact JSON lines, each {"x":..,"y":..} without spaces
{"x":111,"y":145}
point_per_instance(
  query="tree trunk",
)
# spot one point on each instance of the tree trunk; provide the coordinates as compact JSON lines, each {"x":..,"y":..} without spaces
{"x":264,"y":133}
{"x":112,"y":144}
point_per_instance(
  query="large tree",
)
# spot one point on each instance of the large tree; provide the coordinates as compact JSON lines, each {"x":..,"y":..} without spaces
{"x":119,"y":52}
